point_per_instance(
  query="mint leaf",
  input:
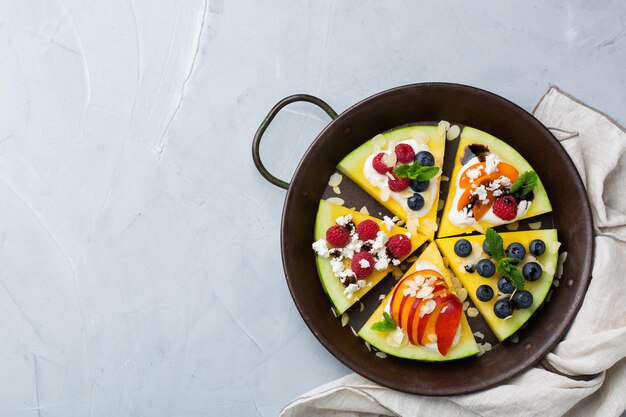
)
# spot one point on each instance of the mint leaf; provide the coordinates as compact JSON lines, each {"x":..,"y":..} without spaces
{"x":415,"y":171}
{"x":495,"y":244}
{"x":386,"y":325}
{"x":525,"y":183}
{"x":508,"y":268}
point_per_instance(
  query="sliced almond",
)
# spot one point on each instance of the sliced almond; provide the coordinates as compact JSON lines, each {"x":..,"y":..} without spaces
{"x":554,"y":247}
{"x":465,"y":305}
{"x":336,"y":200}
{"x":535,"y":225}
{"x":379,"y":141}
{"x":332,"y":309}
{"x":424,"y":291}
{"x":396,"y":272}
{"x":432,"y":337}
{"x":385,"y":193}
{"x":406,"y":193}
{"x":456,"y":282}
{"x":397,"y":338}
{"x":364,"y":210}
{"x":472,"y":312}
{"x":361,"y":306}
{"x":430,"y":224}
{"x":367,"y":345}
{"x":390,"y":159}
{"x":336,"y":190}
{"x":428,"y":307}
{"x":556,"y":282}
{"x":381,"y":355}
{"x":445,"y":178}
{"x":453,"y":132}
{"x":513,"y":226}
{"x":335,"y":179}
{"x":487,"y":346}
{"x":440,"y":204}
{"x":381,"y":297}
{"x":420,"y":137}
{"x":462,"y":294}
{"x":344,"y":319}
{"x":354,"y":331}
{"x":479,"y":335}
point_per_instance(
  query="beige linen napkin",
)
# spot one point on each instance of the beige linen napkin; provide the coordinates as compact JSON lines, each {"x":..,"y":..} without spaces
{"x":595,"y":346}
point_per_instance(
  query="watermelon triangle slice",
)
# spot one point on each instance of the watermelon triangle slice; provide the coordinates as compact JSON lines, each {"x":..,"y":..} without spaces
{"x":503,"y":328}
{"x":338,"y":292}
{"x":485,"y":168}
{"x":358,"y":166}
{"x":441,"y":325}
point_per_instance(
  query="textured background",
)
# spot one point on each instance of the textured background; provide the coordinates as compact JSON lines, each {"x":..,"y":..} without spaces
{"x":140,"y":272}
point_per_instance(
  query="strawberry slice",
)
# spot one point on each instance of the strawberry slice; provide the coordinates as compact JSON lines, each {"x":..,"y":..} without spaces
{"x":447,"y":325}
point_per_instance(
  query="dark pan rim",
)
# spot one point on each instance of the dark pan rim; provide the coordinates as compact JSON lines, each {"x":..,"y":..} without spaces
{"x":547,"y":344}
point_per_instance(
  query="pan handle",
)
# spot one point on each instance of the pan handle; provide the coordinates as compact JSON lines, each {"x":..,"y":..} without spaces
{"x":266,"y":122}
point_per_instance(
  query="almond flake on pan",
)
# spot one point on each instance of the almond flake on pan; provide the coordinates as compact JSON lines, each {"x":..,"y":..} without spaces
{"x":344,"y":319}
{"x":381,"y":355}
{"x":462,"y":294}
{"x":336,"y":200}
{"x":335,"y":179}
{"x":453,"y":132}
{"x":535,"y":225}
{"x":472,"y":312}
{"x":364,"y":210}
{"x":445,"y":178}
{"x":336,"y":190}
{"x":479,"y":335}
{"x":513,"y":226}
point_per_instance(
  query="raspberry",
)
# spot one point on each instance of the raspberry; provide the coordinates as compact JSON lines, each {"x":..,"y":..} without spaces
{"x":367,"y":230}
{"x":399,"y":246}
{"x":379,"y":165}
{"x":405,"y":153}
{"x":398,"y":184}
{"x":362,"y":265}
{"x":505,"y":207}
{"x":338,"y":236}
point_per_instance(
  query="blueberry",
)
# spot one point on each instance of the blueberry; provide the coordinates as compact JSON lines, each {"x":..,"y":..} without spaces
{"x":505,"y":286}
{"x":470,"y":268}
{"x":516,"y":250}
{"x":537,"y":247}
{"x":503,"y":308}
{"x":425,"y":158}
{"x":462,"y":248}
{"x":522,"y":299}
{"x":485,"y":268}
{"x":485,"y":248}
{"x":419,"y":186}
{"x":532,"y":271}
{"x":416,"y":202}
{"x":484,"y":293}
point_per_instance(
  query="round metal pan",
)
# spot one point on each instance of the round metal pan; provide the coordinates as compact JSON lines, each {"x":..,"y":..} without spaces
{"x":412,"y":104}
